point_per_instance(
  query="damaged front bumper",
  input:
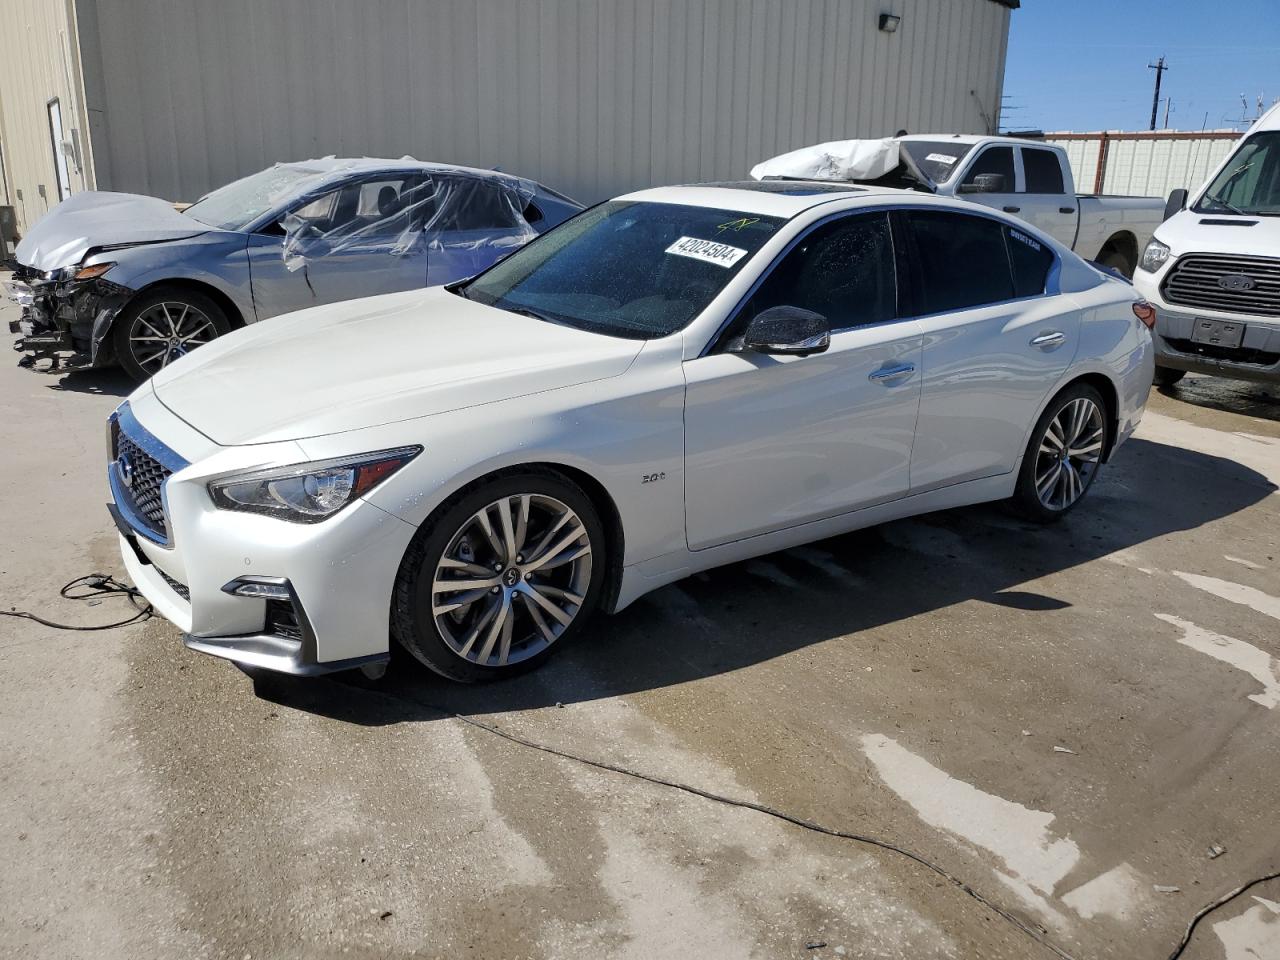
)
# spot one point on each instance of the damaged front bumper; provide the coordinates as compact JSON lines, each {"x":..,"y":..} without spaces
{"x":65,"y":316}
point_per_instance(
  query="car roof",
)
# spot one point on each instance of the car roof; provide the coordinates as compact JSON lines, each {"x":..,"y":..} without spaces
{"x":330,"y":169}
{"x":770,"y":198}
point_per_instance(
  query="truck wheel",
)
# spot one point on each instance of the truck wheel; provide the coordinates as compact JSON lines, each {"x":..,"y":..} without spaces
{"x":1117,"y":261}
{"x":1167,"y":376}
{"x":162,"y":325}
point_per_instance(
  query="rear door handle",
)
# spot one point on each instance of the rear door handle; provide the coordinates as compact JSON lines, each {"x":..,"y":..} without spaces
{"x":892,"y":373}
{"x":1066,"y":209}
{"x":1010,"y":209}
{"x":1049,"y":339}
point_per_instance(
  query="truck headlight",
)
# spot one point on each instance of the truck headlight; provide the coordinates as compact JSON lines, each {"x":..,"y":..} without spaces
{"x":1154,"y":256}
{"x":308,"y":492}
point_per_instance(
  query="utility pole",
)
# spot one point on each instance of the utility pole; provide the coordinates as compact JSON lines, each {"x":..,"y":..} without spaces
{"x":1168,"y":105}
{"x":1159,"y":67}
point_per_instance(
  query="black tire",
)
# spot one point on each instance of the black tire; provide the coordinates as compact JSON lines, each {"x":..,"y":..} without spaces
{"x":1167,"y":376}
{"x":412,"y":622}
{"x":1117,"y":261}
{"x":133,"y":322}
{"x":1027,"y":498}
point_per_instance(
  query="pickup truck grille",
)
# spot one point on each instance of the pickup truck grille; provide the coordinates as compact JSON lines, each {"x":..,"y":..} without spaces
{"x":1194,"y":282}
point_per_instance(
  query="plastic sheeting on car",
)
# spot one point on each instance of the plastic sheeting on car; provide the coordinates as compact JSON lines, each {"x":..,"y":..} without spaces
{"x":462,"y":219}
{"x":835,"y":160}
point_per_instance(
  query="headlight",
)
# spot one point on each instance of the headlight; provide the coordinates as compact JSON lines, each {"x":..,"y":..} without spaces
{"x":308,"y":492}
{"x":1154,"y":256}
{"x":90,"y":273}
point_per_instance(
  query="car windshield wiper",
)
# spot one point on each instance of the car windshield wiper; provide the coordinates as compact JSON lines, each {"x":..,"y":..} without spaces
{"x":536,"y":315}
{"x":1214,"y":198}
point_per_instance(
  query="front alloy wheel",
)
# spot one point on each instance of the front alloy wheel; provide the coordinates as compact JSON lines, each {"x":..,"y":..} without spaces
{"x":163,"y":325}
{"x":1064,"y":455}
{"x":501,"y":576}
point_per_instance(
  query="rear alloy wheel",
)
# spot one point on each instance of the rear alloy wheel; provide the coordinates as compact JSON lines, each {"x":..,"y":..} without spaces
{"x":1064,"y":454}
{"x":164,"y":325}
{"x":502,"y":578}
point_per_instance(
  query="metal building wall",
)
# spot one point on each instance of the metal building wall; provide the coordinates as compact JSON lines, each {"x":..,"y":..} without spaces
{"x":593,"y":97}
{"x":37,"y":64}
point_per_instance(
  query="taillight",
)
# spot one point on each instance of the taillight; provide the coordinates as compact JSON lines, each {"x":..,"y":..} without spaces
{"x":1146,"y":313}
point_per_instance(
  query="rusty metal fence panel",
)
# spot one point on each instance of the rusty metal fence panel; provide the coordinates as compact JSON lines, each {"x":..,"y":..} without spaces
{"x":1147,"y":163}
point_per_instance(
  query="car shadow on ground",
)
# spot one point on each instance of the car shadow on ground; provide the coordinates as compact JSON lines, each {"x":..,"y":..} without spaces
{"x":103,"y":381}
{"x":1231,"y":396}
{"x":747,"y":613}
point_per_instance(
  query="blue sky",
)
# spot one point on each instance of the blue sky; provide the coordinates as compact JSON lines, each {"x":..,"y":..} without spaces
{"x":1082,"y":64}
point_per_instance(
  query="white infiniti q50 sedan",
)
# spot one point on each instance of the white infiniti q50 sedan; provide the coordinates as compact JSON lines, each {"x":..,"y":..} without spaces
{"x":679,"y":378}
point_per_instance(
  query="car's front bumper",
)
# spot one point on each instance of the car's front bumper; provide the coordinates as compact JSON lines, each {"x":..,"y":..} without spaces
{"x":67,"y":315}
{"x":1257,"y":358}
{"x":338,"y":574}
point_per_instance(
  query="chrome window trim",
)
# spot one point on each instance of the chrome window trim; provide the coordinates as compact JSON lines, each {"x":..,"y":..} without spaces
{"x":1052,"y":284}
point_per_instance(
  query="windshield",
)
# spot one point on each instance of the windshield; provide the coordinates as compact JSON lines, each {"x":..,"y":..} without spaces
{"x":241,"y":202}
{"x":636,"y":270}
{"x":1250,"y":182}
{"x":938,"y":159}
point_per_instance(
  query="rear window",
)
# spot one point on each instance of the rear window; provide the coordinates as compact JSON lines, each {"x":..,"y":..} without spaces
{"x":963,"y":261}
{"x":1031,"y":261}
{"x":1042,"y":170}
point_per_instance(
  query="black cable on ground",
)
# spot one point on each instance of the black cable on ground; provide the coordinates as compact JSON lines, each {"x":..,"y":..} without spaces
{"x":95,"y":586}
{"x":1208,"y":909}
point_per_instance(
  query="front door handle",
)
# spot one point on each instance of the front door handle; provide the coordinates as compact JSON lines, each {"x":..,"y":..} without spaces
{"x":889,"y":374}
{"x":1049,"y":339}
{"x":1010,"y":209}
{"x":1066,"y":209}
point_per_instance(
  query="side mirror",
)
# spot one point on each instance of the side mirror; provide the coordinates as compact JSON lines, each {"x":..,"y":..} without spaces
{"x":1177,"y":202}
{"x":984,"y":183}
{"x":788,"y":331}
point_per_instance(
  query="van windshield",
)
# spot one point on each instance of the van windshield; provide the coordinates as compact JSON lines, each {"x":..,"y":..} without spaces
{"x":1250,"y":182}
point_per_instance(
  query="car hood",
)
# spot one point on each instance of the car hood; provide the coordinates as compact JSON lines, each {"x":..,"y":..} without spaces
{"x":66,"y":233}
{"x":1188,"y":232}
{"x":384,"y":359}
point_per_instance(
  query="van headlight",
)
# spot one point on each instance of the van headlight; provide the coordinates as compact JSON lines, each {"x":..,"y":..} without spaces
{"x":1154,"y":256}
{"x":308,"y":492}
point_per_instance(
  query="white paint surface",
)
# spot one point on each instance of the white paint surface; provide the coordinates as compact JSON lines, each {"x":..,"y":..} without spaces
{"x":1235,"y":592}
{"x":1240,"y":560}
{"x":1018,"y":835}
{"x":1254,"y":934}
{"x":1111,"y":894}
{"x":1243,"y":656}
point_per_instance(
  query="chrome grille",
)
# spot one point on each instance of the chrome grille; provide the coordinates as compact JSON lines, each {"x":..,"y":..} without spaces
{"x":1194,"y":282}
{"x":144,"y":486}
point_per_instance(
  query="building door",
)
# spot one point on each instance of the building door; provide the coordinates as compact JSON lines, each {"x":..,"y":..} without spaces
{"x":60,"y":168}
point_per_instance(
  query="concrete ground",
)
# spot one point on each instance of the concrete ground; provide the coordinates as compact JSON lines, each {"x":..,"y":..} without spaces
{"x":1064,"y":719}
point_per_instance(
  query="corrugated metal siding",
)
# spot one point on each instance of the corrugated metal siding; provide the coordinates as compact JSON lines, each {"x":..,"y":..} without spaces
{"x":593,"y":98}
{"x":36,"y":65}
{"x":1149,"y":167}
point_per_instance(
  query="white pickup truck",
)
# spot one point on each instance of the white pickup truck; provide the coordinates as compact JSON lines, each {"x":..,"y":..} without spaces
{"x":1027,"y":178}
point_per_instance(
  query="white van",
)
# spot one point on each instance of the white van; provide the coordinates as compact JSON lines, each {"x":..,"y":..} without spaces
{"x":1212,"y":269}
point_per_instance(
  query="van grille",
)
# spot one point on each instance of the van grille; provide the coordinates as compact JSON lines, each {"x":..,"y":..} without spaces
{"x":1194,"y":282}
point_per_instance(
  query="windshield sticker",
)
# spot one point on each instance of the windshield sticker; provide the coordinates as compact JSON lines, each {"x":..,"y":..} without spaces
{"x":737,"y":225}
{"x":1023,"y":238}
{"x":941,"y":158}
{"x":721,"y":254}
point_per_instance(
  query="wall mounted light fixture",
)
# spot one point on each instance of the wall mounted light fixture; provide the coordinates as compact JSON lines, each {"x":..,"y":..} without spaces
{"x":889,"y":22}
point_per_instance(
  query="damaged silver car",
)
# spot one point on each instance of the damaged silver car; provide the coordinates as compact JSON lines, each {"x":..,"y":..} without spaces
{"x":117,"y":277}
